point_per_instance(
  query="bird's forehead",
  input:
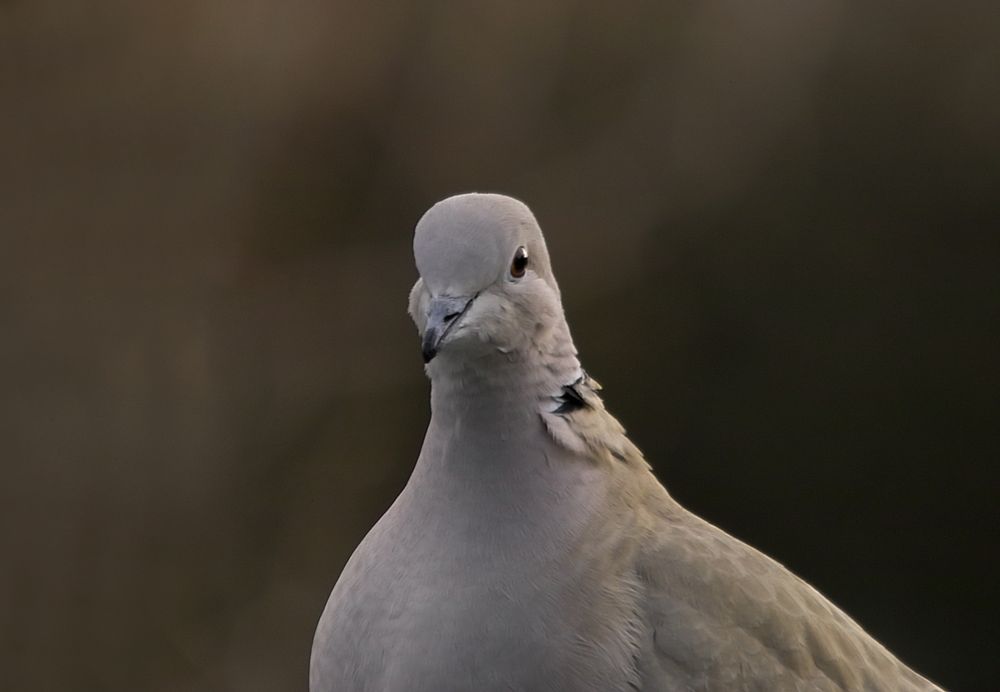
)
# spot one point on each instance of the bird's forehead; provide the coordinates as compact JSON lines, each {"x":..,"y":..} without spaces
{"x":462,"y":244}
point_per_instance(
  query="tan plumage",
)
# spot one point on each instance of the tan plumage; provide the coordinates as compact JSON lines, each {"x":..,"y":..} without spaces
{"x":721,"y":615}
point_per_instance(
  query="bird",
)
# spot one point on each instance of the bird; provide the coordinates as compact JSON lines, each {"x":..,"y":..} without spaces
{"x":532,"y":548}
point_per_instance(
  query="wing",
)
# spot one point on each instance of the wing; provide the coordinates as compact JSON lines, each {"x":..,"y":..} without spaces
{"x":721,"y":616}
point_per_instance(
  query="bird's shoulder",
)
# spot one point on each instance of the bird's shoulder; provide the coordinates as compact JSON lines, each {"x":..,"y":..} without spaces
{"x":718,"y":613}
{"x":724,"y":615}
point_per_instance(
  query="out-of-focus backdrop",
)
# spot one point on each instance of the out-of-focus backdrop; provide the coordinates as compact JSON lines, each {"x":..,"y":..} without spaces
{"x":775,"y":226}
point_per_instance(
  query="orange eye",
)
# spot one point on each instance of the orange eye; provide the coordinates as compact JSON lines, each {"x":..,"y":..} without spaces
{"x":520,"y":262}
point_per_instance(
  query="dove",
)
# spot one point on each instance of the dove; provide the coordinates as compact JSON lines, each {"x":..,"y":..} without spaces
{"x":532,"y":547}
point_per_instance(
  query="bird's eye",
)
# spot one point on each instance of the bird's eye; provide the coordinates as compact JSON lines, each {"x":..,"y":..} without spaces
{"x":520,"y":262}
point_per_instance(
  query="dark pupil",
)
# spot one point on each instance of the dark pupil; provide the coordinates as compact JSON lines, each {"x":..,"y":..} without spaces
{"x":520,"y":261}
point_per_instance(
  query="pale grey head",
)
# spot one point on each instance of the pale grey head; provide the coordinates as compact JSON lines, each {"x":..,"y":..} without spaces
{"x":486,"y":283}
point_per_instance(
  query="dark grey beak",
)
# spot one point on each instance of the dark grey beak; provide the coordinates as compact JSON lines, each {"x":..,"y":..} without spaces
{"x":442,"y":314}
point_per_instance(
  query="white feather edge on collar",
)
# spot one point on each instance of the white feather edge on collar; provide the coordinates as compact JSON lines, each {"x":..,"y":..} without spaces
{"x":589,"y":430}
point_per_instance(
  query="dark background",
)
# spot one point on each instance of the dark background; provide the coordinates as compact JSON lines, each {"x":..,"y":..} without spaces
{"x":774,"y":224}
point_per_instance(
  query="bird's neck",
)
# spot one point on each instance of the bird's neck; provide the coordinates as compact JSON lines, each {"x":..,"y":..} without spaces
{"x":500,"y":390}
{"x":487,"y":456}
{"x":488,"y":403}
{"x":504,"y":387}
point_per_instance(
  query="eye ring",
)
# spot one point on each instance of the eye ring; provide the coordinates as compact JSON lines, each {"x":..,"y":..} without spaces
{"x":519,"y":265}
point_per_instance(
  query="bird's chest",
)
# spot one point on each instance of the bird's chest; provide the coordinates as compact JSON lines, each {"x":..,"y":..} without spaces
{"x":425,"y":620}
{"x":460,"y":610}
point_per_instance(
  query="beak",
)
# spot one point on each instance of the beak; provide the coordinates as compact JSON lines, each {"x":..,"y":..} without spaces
{"x":442,"y":314}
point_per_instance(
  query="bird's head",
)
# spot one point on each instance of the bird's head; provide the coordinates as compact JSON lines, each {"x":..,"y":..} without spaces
{"x":486,"y":283}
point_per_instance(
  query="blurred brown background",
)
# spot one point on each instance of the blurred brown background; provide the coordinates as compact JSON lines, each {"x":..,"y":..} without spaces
{"x":775,"y":226}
